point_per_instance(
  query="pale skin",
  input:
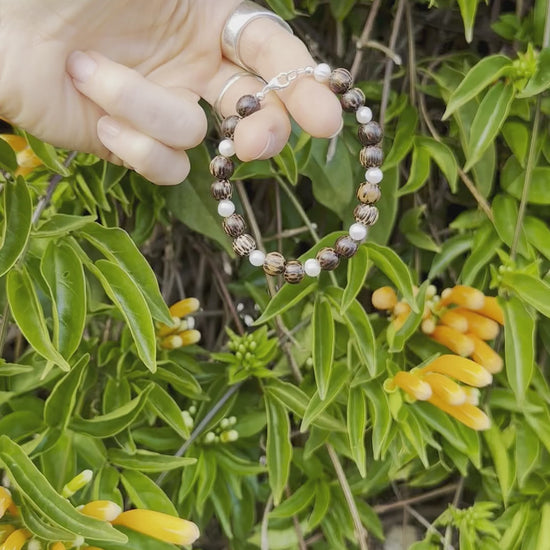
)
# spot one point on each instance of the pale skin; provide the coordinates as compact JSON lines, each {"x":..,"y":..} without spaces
{"x":122,"y":79}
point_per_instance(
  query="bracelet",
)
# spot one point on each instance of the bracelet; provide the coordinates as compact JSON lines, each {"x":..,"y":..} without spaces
{"x":371,"y":156}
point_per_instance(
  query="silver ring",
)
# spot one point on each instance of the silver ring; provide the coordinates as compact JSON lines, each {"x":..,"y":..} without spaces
{"x":244,"y":13}
{"x":230,"y":81}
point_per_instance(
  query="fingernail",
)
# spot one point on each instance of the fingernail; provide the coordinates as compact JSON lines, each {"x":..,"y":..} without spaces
{"x":107,"y":128}
{"x":269,"y":149}
{"x":81,"y":66}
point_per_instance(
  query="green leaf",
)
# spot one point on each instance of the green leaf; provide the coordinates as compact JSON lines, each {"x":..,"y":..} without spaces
{"x":410,"y":228}
{"x":283,"y":8}
{"x":147,"y":461}
{"x":451,"y":250}
{"x":468,"y":10}
{"x":19,"y":425}
{"x":501,"y":460}
{"x":341,"y":8}
{"x":443,"y":157}
{"x":112,"y":423}
{"x":538,"y":189}
{"x":485,"y":246}
{"x":286,"y":162}
{"x":519,"y":342}
{"x":544,"y":530}
{"x":278,"y":447}
{"x":505,"y":210}
{"x":419,"y":172}
{"x":64,"y":274}
{"x":322,"y":503}
{"x":404,"y":137}
{"x":323,"y":344}
{"x":28,"y":315}
{"x":61,"y":401}
{"x":8,"y":158}
{"x":387,"y":207}
{"x":36,"y":489}
{"x":527,"y":451}
{"x":491,"y":114}
{"x":537,"y":234}
{"x":357,"y":422}
{"x":126,"y":295}
{"x":297,"y":502}
{"x":16,"y":226}
{"x":516,"y":135}
{"x":358,"y":267}
{"x":540,"y":81}
{"x":61,"y":224}
{"x":381,"y":420}
{"x":145,"y":493}
{"x":476,"y":80}
{"x":39,"y":527}
{"x":47,"y":154}
{"x":167,"y":408}
{"x":533,"y":290}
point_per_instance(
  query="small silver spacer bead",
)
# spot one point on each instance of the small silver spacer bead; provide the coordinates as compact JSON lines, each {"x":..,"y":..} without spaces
{"x":226,"y":147}
{"x":363,"y":115}
{"x":358,"y":232}
{"x":321,"y":72}
{"x":374,"y":175}
{"x":257,"y":258}
{"x":312,"y":267}
{"x":226,"y":208}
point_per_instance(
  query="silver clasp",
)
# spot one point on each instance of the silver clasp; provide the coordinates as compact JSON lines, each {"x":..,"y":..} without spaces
{"x":282,"y":81}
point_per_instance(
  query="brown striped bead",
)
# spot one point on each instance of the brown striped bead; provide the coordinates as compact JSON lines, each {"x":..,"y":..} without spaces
{"x":247,"y":105}
{"x":370,"y":133}
{"x":366,"y":214}
{"x":369,"y":193}
{"x":340,"y":81}
{"x":352,"y":100}
{"x":371,"y":156}
{"x":274,"y":263}
{"x":294,"y":272}
{"x":244,"y":244}
{"x":221,"y":189}
{"x":228,"y":126}
{"x":328,"y":258}
{"x":222,"y":167}
{"x":345,"y":246}
{"x":234,"y":225}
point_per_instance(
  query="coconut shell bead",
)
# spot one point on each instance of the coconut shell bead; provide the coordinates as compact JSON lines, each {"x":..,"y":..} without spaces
{"x":221,"y":190}
{"x":247,"y":105}
{"x":366,"y":214}
{"x":352,"y":100}
{"x":345,"y":246}
{"x":340,"y":81}
{"x":274,"y":263}
{"x":371,"y":156}
{"x":244,"y":244}
{"x":369,"y":193}
{"x":234,"y":225}
{"x":228,"y":126}
{"x":370,"y":133}
{"x":328,"y":259}
{"x":222,"y":167}
{"x":294,"y":272}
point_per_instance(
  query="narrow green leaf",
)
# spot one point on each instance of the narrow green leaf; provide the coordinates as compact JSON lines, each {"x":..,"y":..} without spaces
{"x":514,"y":182}
{"x":296,"y":502}
{"x":167,"y":408}
{"x":410,"y":228}
{"x":485,"y":246}
{"x":145,"y":493}
{"x":47,"y":154}
{"x":540,"y":81}
{"x":451,"y":249}
{"x":16,"y":226}
{"x":357,"y":422}
{"x":278,"y":447}
{"x":527,"y":451}
{"x":533,"y":290}
{"x":286,"y":162}
{"x":519,"y":345}
{"x":501,"y":460}
{"x":28,"y":315}
{"x":404,"y":137}
{"x":37,"y":490}
{"x":323,"y":344}
{"x":41,"y":528}
{"x":19,"y":425}
{"x":358,"y":267}
{"x":419,"y":172}
{"x":127,"y":296}
{"x":537,"y":234}
{"x":443,"y":157}
{"x":516,"y":135}
{"x":468,"y":10}
{"x":8,"y":159}
{"x":505,"y":210}
{"x":61,"y":224}
{"x":147,"y":461}
{"x":379,"y":412}
{"x":544,"y":530}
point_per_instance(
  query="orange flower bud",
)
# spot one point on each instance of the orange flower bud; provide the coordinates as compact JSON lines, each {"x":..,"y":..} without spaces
{"x":445,"y":388}
{"x":17,"y":143}
{"x":401,"y":308}
{"x":481,"y":326}
{"x":492,"y":310}
{"x":452,"y":318}
{"x":26,"y":159}
{"x":184,"y":307}
{"x":462,"y":369}
{"x":92,"y":548}
{"x":57,"y":546}
{"x":384,"y":298}
{"x":485,"y":355}
{"x":428,"y":325}
{"x":5,"y":531}
{"x":101,"y":509}
{"x":189,"y":337}
{"x":412,"y":384}
{"x":400,"y":320}
{"x":466,"y":413}
{"x":165,"y":330}
{"x":464,"y":296}
{"x":160,"y":526}
{"x":472,"y":395}
{"x":5,"y":500}
{"x":16,"y":540}
{"x":454,"y":340}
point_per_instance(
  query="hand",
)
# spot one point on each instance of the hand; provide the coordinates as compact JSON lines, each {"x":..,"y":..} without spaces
{"x":122,"y":79}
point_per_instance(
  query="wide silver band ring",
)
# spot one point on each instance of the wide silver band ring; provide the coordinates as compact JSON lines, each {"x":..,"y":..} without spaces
{"x":244,"y":13}
{"x":230,"y":81}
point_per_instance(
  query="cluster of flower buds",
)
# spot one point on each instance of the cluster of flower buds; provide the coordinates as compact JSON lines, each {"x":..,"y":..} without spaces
{"x":461,"y":319}
{"x":182,"y":332}
{"x":27,"y":161}
{"x":223,"y":433}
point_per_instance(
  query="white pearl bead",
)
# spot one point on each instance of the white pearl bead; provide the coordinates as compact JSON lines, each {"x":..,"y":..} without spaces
{"x":226,"y":208}
{"x":374,"y":175}
{"x":312,"y":267}
{"x":358,"y":232}
{"x":363,"y":115}
{"x":257,"y":258}
{"x":321,"y":73}
{"x":226,"y":148}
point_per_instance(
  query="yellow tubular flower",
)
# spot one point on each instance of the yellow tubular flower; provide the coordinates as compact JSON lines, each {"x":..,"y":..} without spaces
{"x":481,"y":326}
{"x":466,"y":413}
{"x":454,"y":340}
{"x":5,"y":531}
{"x":384,"y":298}
{"x":462,"y":369}
{"x":413,"y":385}
{"x":160,"y":526}
{"x":400,"y":308}
{"x":16,"y":540}
{"x":445,"y":388}
{"x":189,"y":337}
{"x":165,"y":330}
{"x":400,"y":320}
{"x":57,"y":546}
{"x":173,"y":341}
{"x":472,"y":395}
{"x":184,"y":307}
{"x":5,"y":500}
{"x":26,"y":159}
{"x":486,"y":356}
{"x":464,"y":296}
{"x":492,"y":310}
{"x":452,"y":318}
{"x":101,"y":509}
{"x":91,"y":548}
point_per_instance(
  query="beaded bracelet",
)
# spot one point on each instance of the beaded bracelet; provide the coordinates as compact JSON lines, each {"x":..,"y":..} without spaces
{"x":340,"y":81}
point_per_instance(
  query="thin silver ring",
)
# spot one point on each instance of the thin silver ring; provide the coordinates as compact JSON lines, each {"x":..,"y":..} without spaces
{"x":243,"y":14}
{"x":230,"y":81}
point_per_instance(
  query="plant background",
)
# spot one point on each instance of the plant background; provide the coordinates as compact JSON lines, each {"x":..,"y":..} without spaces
{"x":84,"y":384}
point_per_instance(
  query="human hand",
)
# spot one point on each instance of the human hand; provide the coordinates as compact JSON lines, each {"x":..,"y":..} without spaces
{"x":122,"y":79}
